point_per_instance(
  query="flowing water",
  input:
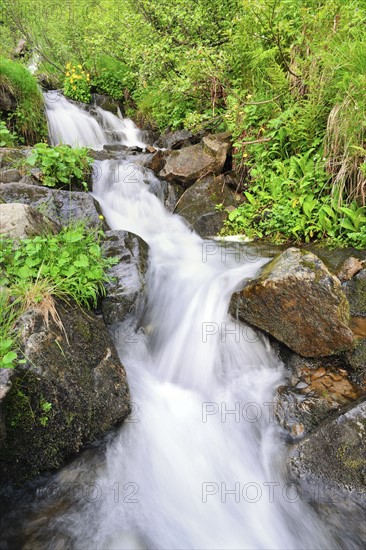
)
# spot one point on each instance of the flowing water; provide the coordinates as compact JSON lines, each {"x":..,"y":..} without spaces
{"x":201,"y":463}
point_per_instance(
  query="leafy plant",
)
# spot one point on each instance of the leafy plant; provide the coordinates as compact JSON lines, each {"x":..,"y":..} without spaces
{"x":77,"y":83}
{"x":61,"y":165}
{"x":35,"y":270}
{"x":7,"y":138}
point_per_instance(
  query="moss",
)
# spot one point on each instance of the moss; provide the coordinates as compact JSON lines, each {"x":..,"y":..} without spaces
{"x":28,"y":119}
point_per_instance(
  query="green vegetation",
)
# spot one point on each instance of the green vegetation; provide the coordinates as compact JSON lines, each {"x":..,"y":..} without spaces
{"x":7,"y":138}
{"x":36,"y":270}
{"x":27,"y":119}
{"x":77,"y":83}
{"x":61,"y":165}
{"x":286,"y":77}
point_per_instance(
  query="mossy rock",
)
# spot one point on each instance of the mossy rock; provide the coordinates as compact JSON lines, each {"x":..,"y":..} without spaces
{"x":72,"y":390}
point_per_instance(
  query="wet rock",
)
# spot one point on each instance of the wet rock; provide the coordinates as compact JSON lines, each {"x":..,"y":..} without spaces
{"x":150,"y":136}
{"x":71,"y":390}
{"x":334,"y":258}
{"x":355,"y":361}
{"x":114,"y":106}
{"x":176,"y":140}
{"x":315,"y":388}
{"x":49,"y":82}
{"x":115,"y":147}
{"x":335,"y":453}
{"x":126,"y":291}
{"x":19,"y":221}
{"x":9,"y":176}
{"x":349,"y":268}
{"x":198,"y":205}
{"x":99,"y":155}
{"x":297,"y":300}
{"x":192,"y":163}
{"x":61,"y":206}
{"x":355,"y":290}
{"x":157,"y":161}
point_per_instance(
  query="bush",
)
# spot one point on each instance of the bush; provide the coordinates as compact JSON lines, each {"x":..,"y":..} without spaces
{"x":28,"y":120}
{"x":61,"y":165}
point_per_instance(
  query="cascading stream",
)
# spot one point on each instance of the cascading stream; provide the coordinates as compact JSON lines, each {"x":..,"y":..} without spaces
{"x":200,"y":465}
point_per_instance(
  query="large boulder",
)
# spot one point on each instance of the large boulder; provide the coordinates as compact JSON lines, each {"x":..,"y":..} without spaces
{"x":299,"y":302}
{"x":126,"y":289}
{"x":198,"y":205}
{"x":19,"y":221}
{"x":192,"y":163}
{"x":71,"y":390}
{"x":61,"y":206}
{"x":334,"y":455}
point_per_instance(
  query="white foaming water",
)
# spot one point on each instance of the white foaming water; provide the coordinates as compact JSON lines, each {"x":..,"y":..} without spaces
{"x":124,"y":128}
{"x":73,"y":126}
{"x":200,"y":464}
{"x":203,"y":478}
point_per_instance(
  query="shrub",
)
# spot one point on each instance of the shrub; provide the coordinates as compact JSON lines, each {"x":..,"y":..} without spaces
{"x":61,"y":165}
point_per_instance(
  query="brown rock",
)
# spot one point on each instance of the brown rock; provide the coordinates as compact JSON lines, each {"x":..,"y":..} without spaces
{"x":192,"y":163}
{"x":349,"y":268}
{"x":299,"y":302}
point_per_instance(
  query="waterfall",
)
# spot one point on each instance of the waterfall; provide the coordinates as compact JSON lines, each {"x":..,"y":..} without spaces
{"x":71,"y":125}
{"x":200,"y":464}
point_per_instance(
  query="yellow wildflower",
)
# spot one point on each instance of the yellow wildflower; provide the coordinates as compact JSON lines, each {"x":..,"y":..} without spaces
{"x":67,"y":74}
{"x":80,"y":67}
{"x":68,"y":65}
{"x":249,"y":96}
{"x":101,"y":217}
{"x":74,"y":87}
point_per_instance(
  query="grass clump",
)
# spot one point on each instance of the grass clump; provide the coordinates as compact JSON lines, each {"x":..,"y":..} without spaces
{"x":33,"y":272}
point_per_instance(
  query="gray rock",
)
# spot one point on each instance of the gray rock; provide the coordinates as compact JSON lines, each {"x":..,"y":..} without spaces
{"x":71,"y":390}
{"x":298,"y":301}
{"x":10,"y":156}
{"x":355,"y":290}
{"x":176,"y":140}
{"x":61,"y":206}
{"x":19,"y":221}
{"x":198,"y":205}
{"x":126,"y":291}
{"x":9,"y":176}
{"x":335,"y":453}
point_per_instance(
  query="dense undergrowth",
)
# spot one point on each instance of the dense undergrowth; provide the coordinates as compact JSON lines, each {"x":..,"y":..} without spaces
{"x":35,"y":271}
{"x":286,"y":77}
